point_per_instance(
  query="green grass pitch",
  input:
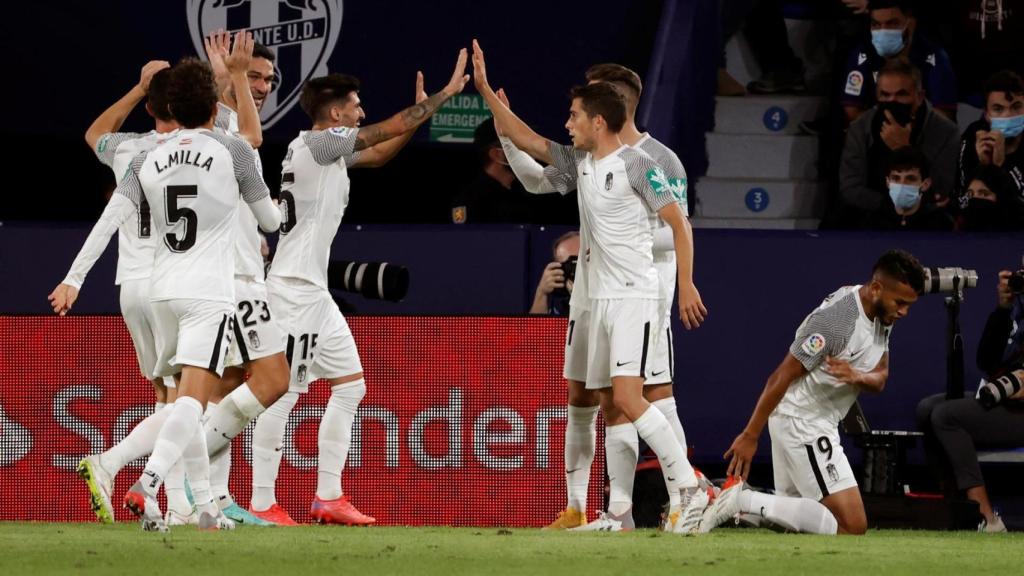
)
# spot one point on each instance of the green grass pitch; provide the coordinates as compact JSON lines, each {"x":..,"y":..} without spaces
{"x":37,"y":548}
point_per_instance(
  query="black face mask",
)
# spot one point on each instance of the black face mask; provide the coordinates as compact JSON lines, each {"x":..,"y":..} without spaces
{"x":903,"y":113}
{"x":981,"y":215}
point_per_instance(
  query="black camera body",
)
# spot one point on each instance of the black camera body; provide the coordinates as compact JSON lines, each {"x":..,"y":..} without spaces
{"x":1016,"y":282}
{"x":569,"y":270}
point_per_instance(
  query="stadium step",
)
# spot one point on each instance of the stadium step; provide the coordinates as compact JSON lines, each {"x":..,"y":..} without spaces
{"x":759,"y":198}
{"x":757,"y":223}
{"x":763,"y":156}
{"x":766,"y":114}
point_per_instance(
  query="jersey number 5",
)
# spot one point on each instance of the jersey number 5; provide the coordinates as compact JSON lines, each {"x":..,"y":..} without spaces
{"x":174,"y":214}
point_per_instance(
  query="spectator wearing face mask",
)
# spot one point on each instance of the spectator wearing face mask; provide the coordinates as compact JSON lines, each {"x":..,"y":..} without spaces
{"x":995,"y":139}
{"x":901,"y":118}
{"x":894,"y":35}
{"x":911,"y":205}
{"x":992,"y":203}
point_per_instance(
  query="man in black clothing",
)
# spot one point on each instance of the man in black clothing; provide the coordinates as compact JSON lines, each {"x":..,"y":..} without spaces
{"x":495,"y":196}
{"x":954,"y":428}
{"x":901,"y":118}
{"x":995,"y":138}
{"x":910,"y":205}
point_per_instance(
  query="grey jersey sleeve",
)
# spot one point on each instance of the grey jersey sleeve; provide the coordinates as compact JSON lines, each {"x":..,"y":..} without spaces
{"x":130,"y":186}
{"x":826,"y":332}
{"x":674,"y":170}
{"x":224,"y":118}
{"x":247,"y":169}
{"x":562,"y":172}
{"x":327,"y":146}
{"x":648,"y":180}
{"x":106,"y":146}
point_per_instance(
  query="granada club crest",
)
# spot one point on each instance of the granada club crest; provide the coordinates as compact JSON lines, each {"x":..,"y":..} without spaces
{"x":301,"y":33}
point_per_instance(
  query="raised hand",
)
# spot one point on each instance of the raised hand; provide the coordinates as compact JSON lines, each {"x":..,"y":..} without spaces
{"x":459,"y":76}
{"x":237,"y":62}
{"x":421,"y":94}
{"x":479,"y":68}
{"x":217,"y":46}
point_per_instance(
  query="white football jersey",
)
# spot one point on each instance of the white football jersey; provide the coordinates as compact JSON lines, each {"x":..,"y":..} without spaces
{"x":617,"y":195}
{"x":838,"y":328}
{"x":314,"y":196}
{"x":134,"y":237}
{"x":192,"y":184}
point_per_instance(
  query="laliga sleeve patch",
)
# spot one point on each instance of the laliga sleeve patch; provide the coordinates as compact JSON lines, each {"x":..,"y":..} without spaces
{"x":854,"y":83}
{"x":101,"y":146}
{"x":342,"y":131}
{"x":813,"y":345}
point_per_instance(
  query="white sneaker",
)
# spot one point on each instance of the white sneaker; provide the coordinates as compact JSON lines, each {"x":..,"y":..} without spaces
{"x":604,"y":523}
{"x":725,"y":508}
{"x":208,"y":521}
{"x":691,"y":510}
{"x":174,"y":518}
{"x":992,"y":527}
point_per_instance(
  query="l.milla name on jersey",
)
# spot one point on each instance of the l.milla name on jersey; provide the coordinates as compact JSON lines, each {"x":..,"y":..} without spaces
{"x":185,"y":158}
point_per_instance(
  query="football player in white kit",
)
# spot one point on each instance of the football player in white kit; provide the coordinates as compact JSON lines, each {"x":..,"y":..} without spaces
{"x":134,"y":264}
{"x":192,"y":183}
{"x":256,"y":335}
{"x":621,"y":444}
{"x":314,"y":195}
{"x":841,"y":349}
{"x":617,"y":195}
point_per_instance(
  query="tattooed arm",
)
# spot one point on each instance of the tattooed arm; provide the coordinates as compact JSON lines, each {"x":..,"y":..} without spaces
{"x":410,"y":118}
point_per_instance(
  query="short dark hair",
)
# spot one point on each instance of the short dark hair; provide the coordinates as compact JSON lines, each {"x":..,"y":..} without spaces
{"x":485,"y":138}
{"x":604,"y":100}
{"x":261,"y":51}
{"x":905,"y":6}
{"x":618,"y":75}
{"x":903,"y":267}
{"x":902,"y":67}
{"x":558,"y":241}
{"x":157,"y":95}
{"x":1005,"y":81}
{"x":908,"y":158}
{"x":995,"y":179}
{"x":318,"y":94}
{"x":192,"y":92}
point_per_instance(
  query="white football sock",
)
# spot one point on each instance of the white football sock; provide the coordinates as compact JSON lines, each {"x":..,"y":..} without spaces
{"x":791,"y":514}
{"x":196,"y":459}
{"x":335,"y":436}
{"x":176,"y":434}
{"x":138,"y":443}
{"x":621,"y":448}
{"x":267,"y":440}
{"x":657,"y":433}
{"x":667,"y":406}
{"x":226,"y":419}
{"x":580,"y":444}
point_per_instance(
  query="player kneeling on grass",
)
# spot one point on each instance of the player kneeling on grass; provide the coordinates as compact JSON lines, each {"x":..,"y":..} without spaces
{"x":841,"y":349}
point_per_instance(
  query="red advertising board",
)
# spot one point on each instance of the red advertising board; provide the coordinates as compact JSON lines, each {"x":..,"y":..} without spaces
{"x":462,"y":424}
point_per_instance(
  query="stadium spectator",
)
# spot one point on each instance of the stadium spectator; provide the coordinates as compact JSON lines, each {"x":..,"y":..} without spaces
{"x":555,"y":288}
{"x":894,"y":35}
{"x":765,"y":30}
{"x":992,"y":203}
{"x":901,"y":118}
{"x":995,"y":138}
{"x":954,"y":429}
{"x":989,"y":37}
{"x":494,"y":195}
{"x":910,"y":205}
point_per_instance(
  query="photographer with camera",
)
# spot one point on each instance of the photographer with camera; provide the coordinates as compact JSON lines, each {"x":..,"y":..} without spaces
{"x":954,"y":429}
{"x":555,"y":286}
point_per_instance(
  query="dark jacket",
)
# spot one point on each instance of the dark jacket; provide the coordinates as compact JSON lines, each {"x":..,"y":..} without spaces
{"x":936,"y":137}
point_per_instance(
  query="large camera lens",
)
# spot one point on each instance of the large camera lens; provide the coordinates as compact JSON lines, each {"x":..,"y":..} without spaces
{"x":948,"y":279}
